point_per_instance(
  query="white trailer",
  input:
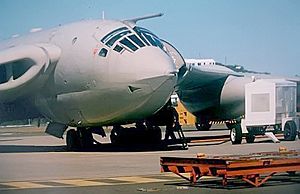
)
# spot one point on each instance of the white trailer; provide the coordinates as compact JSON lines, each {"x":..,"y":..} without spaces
{"x":270,"y":107}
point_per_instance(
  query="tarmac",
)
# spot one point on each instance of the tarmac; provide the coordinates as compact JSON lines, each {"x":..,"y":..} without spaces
{"x":33,"y":162}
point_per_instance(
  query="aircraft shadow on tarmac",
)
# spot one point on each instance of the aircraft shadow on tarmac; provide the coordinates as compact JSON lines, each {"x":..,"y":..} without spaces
{"x":30,"y":148}
{"x":208,"y":143}
{"x":216,"y":183}
{"x":107,"y":147}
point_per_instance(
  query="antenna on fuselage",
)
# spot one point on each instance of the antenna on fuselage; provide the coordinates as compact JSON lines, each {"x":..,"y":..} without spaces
{"x":103,"y":15}
{"x":135,"y":20}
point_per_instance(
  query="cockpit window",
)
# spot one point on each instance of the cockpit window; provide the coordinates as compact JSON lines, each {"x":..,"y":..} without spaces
{"x":124,"y":38}
{"x":136,"y":40}
{"x":118,"y":48}
{"x":151,"y":38}
{"x":129,"y":44}
{"x":116,"y":37}
{"x":159,"y":43}
{"x":109,"y":35}
{"x":137,"y":30}
{"x":103,"y":52}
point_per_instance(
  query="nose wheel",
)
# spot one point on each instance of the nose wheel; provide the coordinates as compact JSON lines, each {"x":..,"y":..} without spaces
{"x":81,"y":138}
{"x":72,"y":140}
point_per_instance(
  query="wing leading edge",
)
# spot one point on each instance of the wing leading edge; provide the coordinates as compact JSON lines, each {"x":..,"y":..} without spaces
{"x":191,"y":76}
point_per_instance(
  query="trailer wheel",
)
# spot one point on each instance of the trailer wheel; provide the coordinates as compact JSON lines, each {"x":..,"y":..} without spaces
{"x":290,"y":131}
{"x":230,"y":125}
{"x":250,"y":138}
{"x":236,"y":134}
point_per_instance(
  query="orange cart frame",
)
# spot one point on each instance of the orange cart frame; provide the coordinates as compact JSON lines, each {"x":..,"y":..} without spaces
{"x":254,"y":169}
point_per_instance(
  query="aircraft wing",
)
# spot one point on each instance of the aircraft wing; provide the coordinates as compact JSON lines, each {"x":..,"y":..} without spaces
{"x":194,"y":76}
{"x":22,"y":67}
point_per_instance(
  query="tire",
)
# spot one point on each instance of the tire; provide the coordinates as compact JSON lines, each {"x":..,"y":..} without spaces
{"x":115,"y":135}
{"x":72,"y":140}
{"x":290,"y":131}
{"x":114,"y":139}
{"x":203,"y":126}
{"x":291,"y":173}
{"x":85,"y":138}
{"x":236,"y":134}
{"x":250,"y":138}
{"x":156,"y":135}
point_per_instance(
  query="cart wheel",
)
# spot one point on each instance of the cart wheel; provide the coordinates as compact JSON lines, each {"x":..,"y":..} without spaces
{"x":236,"y":134}
{"x":290,"y":131}
{"x":291,"y":173}
{"x":250,"y":138}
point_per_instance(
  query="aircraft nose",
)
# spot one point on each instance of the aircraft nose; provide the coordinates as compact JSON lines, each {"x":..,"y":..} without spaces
{"x":155,"y":68}
{"x":153,"y":63}
{"x":156,"y":80}
{"x":141,"y":82}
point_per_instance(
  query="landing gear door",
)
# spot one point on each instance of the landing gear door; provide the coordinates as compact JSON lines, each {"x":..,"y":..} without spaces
{"x":174,"y":53}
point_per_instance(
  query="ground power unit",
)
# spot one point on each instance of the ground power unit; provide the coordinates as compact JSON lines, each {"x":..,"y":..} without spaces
{"x":270,"y":107}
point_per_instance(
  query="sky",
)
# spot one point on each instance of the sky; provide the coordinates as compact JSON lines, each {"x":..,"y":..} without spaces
{"x":261,"y":35}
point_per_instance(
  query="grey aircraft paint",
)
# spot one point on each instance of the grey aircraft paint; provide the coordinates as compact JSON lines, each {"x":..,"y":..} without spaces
{"x":70,"y":75}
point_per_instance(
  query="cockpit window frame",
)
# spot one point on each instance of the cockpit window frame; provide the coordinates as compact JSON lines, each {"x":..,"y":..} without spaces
{"x":159,"y":43}
{"x":112,"y":33}
{"x":125,"y":38}
{"x":140,"y":34}
{"x":148,"y":37}
{"x":116,"y":37}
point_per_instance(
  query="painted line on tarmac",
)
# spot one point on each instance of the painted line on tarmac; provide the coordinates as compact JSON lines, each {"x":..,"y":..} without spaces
{"x":80,"y":183}
{"x":139,"y":179}
{"x":13,"y":185}
{"x":23,"y":185}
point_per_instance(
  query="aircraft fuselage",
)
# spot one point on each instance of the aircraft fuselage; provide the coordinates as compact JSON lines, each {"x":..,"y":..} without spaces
{"x":91,"y":83}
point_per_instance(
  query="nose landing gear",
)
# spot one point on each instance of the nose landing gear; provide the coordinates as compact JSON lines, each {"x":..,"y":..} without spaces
{"x":140,"y":134}
{"x":80,"y":139}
